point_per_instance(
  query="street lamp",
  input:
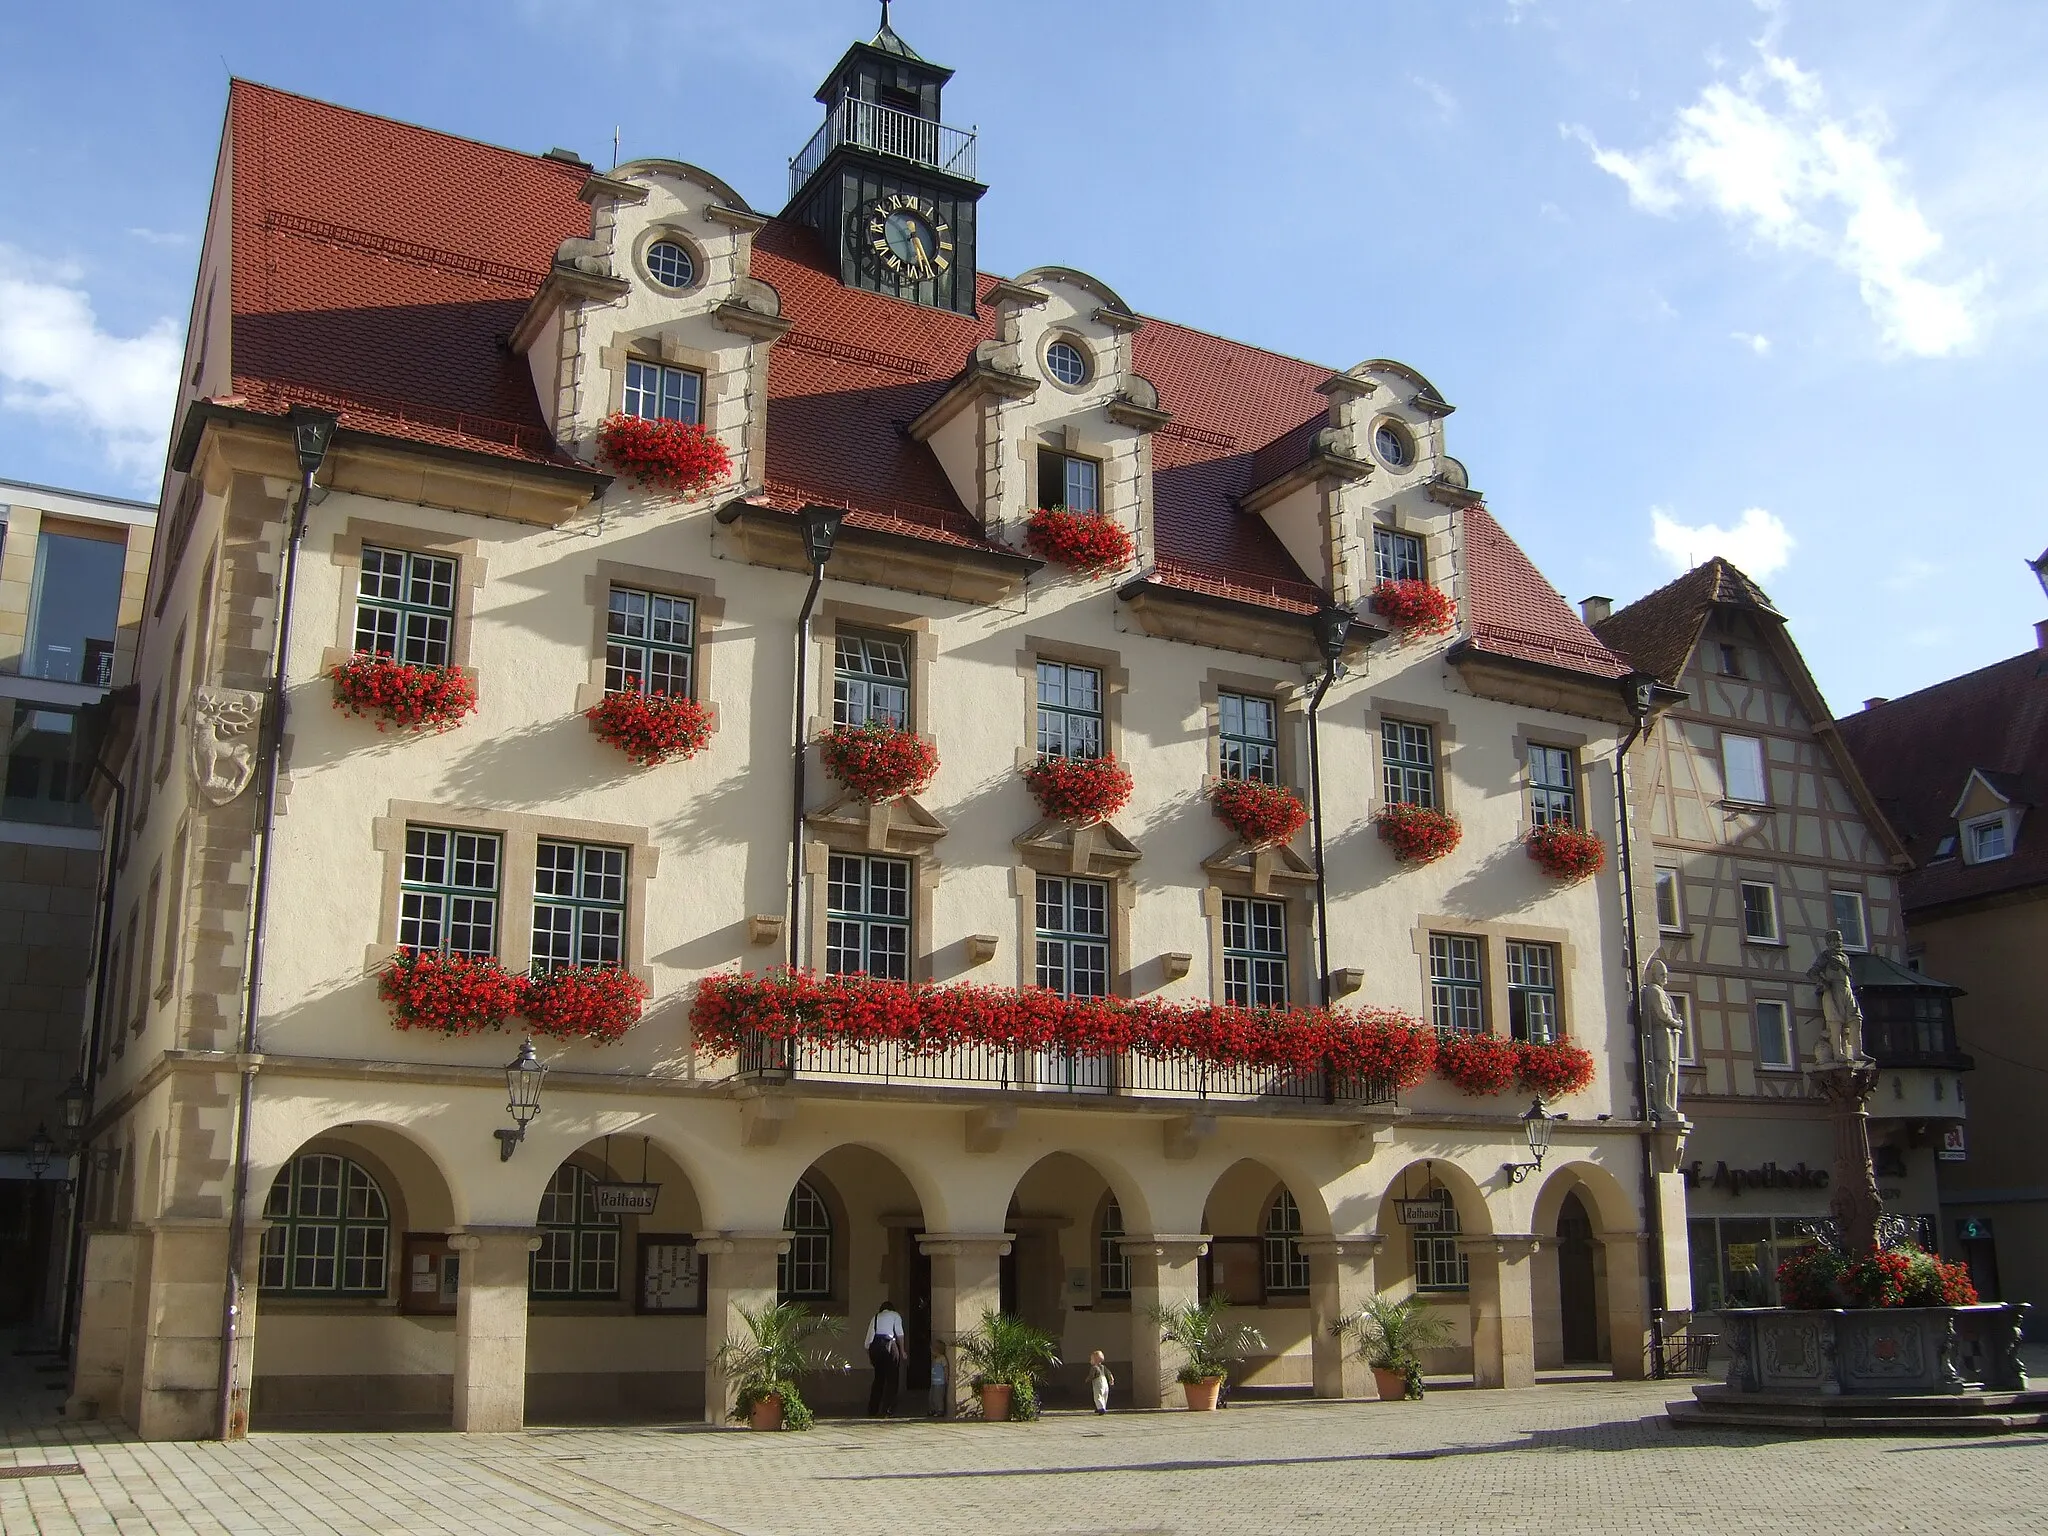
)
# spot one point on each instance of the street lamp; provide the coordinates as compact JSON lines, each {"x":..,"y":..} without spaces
{"x":72,"y":1104}
{"x":1333,"y":628}
{"x":523,"y":1076}
{"x":312,"y":435}
{"x":1536,"y":1126}
{"x":821,"y":532}
{"x":39,"y":1149}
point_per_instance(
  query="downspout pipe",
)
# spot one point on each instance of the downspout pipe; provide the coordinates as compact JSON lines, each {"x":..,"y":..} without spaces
{"x":820,"y":533}
{"x":312,"y":435}
{"x":1332,"y":629}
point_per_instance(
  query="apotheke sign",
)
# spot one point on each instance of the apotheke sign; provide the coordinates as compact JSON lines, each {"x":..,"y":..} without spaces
{"x":1733,"y":1181}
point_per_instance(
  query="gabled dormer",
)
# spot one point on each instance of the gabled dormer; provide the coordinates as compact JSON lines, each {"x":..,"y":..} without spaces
{"x":1987,"y":816}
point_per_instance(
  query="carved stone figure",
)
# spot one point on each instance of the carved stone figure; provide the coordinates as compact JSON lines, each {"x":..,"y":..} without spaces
{"x":224,"y":739}
{"x":1667,"y":1040}
{"x":1839,"y":1009}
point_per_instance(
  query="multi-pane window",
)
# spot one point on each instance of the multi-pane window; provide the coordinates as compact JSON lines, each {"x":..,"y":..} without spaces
{"x":579,"y":1245}
{"x":448,"y":891}
{"x":1742,"y":768}
{"x":1759,"y":912}
{"x":579,"y":905}
{"x":867,"y":916}
{"x":1073,"y":936}
{"x":330,"y":1230}
{"x":661,"y":393}
{"x":1670,"y":914}
{"x":1988,"y":840}
{"x":1067,"y":481}
{"x":1396,"y":556}
{"x":1249,"y":744}
{"x":1112,"y":1264}
{"x":1065,"y":362}
{"x":670,"y":264}
{"x":871,"y":681}
{"x":1532,"y":991}
{"x":1440,"y":1264}
{"x":1455,"y":997}
{"x":405,"y":606}
{"x":650,"y":643}
{"x":1773,"y":1034}
{"x":1254,"y":952}
{"x":1846,"y":907}
{"x":1553,"y":787}
{"x":805,"y":1272}
{"x":1407,"y":763}
{"x":1286,"y":1266}
{"x":1688,"y":1047}
{"x":1069,"y":710}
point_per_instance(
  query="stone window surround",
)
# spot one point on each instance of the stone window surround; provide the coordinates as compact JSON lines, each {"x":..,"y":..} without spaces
{"x":179,"y":695}
{"x":1444,"y":742}
{"x":1493,"y":967}
{"x":1116,"y":495}
{"x":146,"y":961}
{"x":181,"y":850}
{"x":520,"y":834}
{"x":1089,"y":355}
{"x":1290,"y":712}
{"x":1574,"y":742}
{"x":708,"y":612}
{"x":347,"y":554}
{"x":1397,"y":518}
{"x":1299,"y":926}
{"x":654,"y":233}
{"x":1116,"y":682}
{"x":336,"y":1145}
{"x":920,"y":638}
{"x":1416,"y":437}
{"x":824,"y":840}
{"x":1123,"y":898}
{"x":651,"y":346}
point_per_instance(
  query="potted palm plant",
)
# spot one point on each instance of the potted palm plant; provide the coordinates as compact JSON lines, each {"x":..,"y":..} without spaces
{"x":1391,"y":1337}
{"x":1004,"y":1356}
{"x":783,"y":1341}
{"x":1211,"y":1346}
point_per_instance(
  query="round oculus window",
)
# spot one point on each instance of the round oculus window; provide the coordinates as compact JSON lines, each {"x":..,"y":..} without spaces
{"x":1393,"y":446}
{"x":1064,"y":361}
{"x":670,"y":265}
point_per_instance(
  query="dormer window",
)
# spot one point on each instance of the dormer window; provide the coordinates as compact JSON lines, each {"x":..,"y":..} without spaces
{"x":1396,"y":556}
{"x":1988,"y":839}
{"x":670,"y":265}
{"x":1067,"y":364}
{"x":656,"y":392}
{"x":1067,"y":480}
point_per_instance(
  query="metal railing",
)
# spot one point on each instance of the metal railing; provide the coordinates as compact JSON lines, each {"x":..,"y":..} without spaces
{"x":886,"y":131}
{"x":1012,"y":1069}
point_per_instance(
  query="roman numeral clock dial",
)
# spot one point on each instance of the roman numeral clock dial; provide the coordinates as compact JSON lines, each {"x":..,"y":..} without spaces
{"x":906,"y":237}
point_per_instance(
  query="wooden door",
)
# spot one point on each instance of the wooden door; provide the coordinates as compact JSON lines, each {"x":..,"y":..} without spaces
{"x":1576,"y":1293}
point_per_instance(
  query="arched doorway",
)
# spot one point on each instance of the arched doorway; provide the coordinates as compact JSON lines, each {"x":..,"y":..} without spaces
{"x":1590,"y":1299}
{"x":1068,"y":1272}
{"x":1578,"y":1300}
{"x":1259,"y":1223}
{"x":1429,"y":1217}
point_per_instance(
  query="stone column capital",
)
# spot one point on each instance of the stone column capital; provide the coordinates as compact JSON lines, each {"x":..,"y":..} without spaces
{"x":1180,"y":1246}
{"x":760,"y":1244}
{"x":963,"y":1245}
{"x":1347,"y":1245}
{"x":1502,"y":1245}
{"x":472,"y":1239}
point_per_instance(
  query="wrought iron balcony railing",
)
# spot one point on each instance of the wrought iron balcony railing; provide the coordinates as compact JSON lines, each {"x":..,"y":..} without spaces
{"x":886,"y":131}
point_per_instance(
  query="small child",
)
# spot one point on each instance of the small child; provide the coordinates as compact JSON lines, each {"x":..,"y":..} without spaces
{"x":936,"y":1405}
{"x":1099,"y":1381}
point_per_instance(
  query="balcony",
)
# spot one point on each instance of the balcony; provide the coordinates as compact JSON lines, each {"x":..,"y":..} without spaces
{"x":885,"y":131}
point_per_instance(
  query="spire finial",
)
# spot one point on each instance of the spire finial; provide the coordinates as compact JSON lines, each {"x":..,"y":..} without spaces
{"x":885,"y":15}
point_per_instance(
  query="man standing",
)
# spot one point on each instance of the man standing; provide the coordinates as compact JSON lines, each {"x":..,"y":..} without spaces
{"x":885,"y":1354}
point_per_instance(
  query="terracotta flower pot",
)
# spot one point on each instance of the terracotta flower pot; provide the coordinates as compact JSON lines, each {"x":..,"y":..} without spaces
{"x":1202,"y":1394}
{"x":995,"y":1401}
{"x":1393,"y":1384}
{"x":766,"y":1412}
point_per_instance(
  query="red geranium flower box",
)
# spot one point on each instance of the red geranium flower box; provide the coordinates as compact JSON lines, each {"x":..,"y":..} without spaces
{"x":1087,"y":541}
{"x":678,"y":456}
{"x":651,"y":728}
{"x":1261,"y":814}
{"x":1567,"y":852}
{"x":1479,"y":1064}
{"x":1081,"y":790}
{"x":456,"y":994}
{"x":1417,"y":834}
{"x":879,"y":762}
{"x":1554,"y":1068}
{"x":598,"y":1003}
{"x":402,"y":694}
{"x":1419,"y":607}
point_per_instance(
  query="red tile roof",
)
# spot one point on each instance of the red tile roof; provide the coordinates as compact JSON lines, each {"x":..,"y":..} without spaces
{"x":380,"y":267}
{"x":1659,"y":630}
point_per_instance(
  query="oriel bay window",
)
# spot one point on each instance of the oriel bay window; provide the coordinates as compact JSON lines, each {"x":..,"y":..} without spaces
{"x":1254,"y":952}
{"x":1070,"y":721}
{"x":405,"y":606}
{"x":1553,"y":786}
{"x":871,"y":681}
{"x":1456,"y":1001}
{"x":1073,"y":936}
{"x":579,"y":905}
{"x":867,"y":916}
{"x":1532,"y":991}
{"x":1248,"y":744}
{"x":578,"y":1257}
{"x":448,"y":891}
{"x":661,"y":393}
{"x":1066,"y":480}
{"x":330,"y":1230}
{"x":650,"y":643}
{"x":1408,"y":763}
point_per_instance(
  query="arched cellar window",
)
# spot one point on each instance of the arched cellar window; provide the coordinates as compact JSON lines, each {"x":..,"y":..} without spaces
{"x":805,"y":1272}
{"x":1112,"y":1264}
{"x":578,"y":1257}
{"x":330,"y":1232}
{"x":1440,"y":1264}
{"x":1286,"y":1264}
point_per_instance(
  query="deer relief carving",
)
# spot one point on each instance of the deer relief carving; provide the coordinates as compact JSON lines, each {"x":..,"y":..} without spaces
{"x":224,"y":737}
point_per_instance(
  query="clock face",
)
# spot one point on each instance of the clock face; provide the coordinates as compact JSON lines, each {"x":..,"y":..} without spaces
{"x":907,"y":238}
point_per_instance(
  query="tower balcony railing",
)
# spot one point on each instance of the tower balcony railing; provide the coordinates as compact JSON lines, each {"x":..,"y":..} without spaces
{"x":886,"y":131}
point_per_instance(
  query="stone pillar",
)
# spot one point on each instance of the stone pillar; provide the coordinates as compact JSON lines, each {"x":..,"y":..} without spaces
{"x":1854,"y":1204}
{"x":739,"y":1271}
{"x":171,"y":1388}
{"x":1628,"y":1303}
{"x":1503,"y":1306}
{"x":490,"y":1326}
{"x":967,"y":1280}
{"x":106,"y":1303}
{"x":1165,"y":1272}
{"x":1339,"y":1281}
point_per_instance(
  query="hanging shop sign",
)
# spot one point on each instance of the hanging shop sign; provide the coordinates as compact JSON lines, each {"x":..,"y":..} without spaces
{"x":1955,"y":1144}
{"x":1733,"y":1181}
{"x":625,"y":1199}
{"x":1427,"y":1212}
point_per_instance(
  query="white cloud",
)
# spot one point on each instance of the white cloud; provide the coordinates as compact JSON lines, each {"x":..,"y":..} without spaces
{"x":57,"y":363}
{"x":157,"y":236}
{"x":1759,"y":542}
{"x":1768,"y":156}
{"x":1760,"y":345}
{"x":1445,"y":103}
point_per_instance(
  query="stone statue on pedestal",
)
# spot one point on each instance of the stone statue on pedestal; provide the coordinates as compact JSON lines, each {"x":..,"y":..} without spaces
{"x":1843,"y":1042}
{"x":1667,"y":1040}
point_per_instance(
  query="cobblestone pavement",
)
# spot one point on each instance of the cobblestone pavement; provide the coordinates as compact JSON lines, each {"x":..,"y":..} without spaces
{"x":1555,"y":1458}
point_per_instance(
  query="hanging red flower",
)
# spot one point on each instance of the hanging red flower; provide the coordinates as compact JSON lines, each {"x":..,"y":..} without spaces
{"x":1417,"y":834}
{"x":1552,"y":1069}
{"x":878,"y":762}
{"x":677,"y":456}
{"x":1261,"y":814}
{"x":598,"y":1003}
{"x":1479,"y":1064}
{"x":1081,"y":790}
{"x":1567,"y":852}
{"x":401,"y":694}
{"x":1087,"y":541}
{"x":456,"y":994}
{"x":651,"y":728}
{"x":1419,"y":607}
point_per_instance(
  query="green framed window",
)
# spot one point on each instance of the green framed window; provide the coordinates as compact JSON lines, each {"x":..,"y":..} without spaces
{"x":448,"y":891}
{"x":1553,"y":787}
{"x":1249,"y":728}
{"x":579,"y":905}
{"x":1456,"y":1002}
{"x":1286,"y":1266}
{"x":650,"y":643}
{"x":1073,"y":936}
{"x":1532,"y":991}
{"x":871,"y":681}
{"x":405,"y":606}
{"x":867,"y":916}
{"x":1254,"y":952}
{"x":329,"y":1233}
{"x":1440,"y":1263}
{"x":1112,"y":1264}
{"x":1408,"y":763}
{"x":578,"y":1257}
{"x":805,"y":1272}
{"x":1070,"y":718}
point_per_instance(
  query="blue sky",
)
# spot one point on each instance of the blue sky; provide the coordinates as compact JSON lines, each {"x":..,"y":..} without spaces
{"x":1765,"y":280}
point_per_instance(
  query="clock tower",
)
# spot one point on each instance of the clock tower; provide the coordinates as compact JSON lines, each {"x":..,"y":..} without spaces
{"x":887,"y":185}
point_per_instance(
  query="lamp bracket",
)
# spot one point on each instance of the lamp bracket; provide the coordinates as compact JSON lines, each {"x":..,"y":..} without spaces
{"x":508,"y":1141}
